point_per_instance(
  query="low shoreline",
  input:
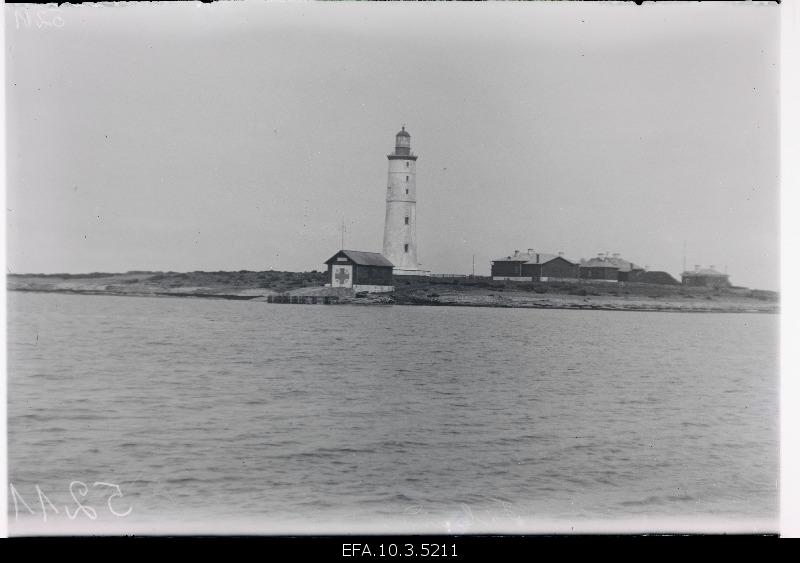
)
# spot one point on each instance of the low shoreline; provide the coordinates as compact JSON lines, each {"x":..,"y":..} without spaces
{"x":138,"y":294}
{"x":262,"y":286}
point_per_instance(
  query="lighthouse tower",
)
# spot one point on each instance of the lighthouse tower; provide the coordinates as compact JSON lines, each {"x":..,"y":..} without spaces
{"x":400,"y":229}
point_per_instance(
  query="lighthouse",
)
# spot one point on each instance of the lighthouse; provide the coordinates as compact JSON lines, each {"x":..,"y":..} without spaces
{"x":400,"y":229}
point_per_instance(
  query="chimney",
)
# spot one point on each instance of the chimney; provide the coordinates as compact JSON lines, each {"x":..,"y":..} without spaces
{"x":601,"y":256}
{"x":516,"y":253}
{"x":561,"y":253}
{"x":530,"y":251}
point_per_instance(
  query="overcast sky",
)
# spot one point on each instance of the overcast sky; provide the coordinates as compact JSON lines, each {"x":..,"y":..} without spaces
{"x":237,"y":136}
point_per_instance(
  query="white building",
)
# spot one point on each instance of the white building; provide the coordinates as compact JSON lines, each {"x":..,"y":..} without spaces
{"x":400,"y":229}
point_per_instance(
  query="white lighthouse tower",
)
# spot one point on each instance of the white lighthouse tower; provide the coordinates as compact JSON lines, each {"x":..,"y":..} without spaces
{"x":400,"y":230}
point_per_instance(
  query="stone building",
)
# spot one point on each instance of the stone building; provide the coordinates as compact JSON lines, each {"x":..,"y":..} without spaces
{"x":705,"y":277}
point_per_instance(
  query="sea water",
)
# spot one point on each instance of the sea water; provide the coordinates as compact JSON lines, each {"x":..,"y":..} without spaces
{"x":168,"y":414}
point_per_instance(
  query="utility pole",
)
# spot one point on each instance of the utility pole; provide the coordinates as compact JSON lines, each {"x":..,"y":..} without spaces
{"x":684,"y":256}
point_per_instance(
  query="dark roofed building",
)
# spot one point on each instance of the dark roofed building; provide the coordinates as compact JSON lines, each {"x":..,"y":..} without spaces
{"x":551,"y":269}
{"x":626,"y":269}
{"x":705,"y":277}
{"x":609,"y":267}
{"x":510,"y":267}
{"x":599,"y":269}
{"x":361,"y":271}
{"x":532,"y":266}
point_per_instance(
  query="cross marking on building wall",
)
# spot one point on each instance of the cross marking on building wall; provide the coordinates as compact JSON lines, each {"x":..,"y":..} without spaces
{"x":342,"y":275}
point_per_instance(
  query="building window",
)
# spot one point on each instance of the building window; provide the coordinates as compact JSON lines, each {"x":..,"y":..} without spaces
{"x":406,"y":220}
{"x":406,"y":178}
{"x":406,"y":248}
{"x":406,"y":190}
{"x":406,"y":164}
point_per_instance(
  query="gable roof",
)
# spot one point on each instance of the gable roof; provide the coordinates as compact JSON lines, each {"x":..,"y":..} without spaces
{"x":624,"y":265}
{"x":611,"y":262}
{"x":599,"y":263}
{"x":520,"y":258}
{"x":532,"y":258}
{"x":541,"y":258}
{"x":547,"y":258}
{"x":363,"y":258}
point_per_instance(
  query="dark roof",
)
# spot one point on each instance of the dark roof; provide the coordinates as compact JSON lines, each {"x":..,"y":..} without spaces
{"x":599,"y":263}
{"x":624,"y":265}
{"x":531,"y":258}
{"x":363,"y":258}
{"x":520,"y":258}
{"x":541,"y":258}
{"x":403,"y":133}
{"x":547,"y":258}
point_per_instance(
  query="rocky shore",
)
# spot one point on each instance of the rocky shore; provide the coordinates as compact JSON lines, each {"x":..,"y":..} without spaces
{"x":465,"y":292}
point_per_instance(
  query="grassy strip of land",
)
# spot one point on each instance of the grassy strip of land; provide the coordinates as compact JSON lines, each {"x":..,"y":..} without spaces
{"x":474,"y":292}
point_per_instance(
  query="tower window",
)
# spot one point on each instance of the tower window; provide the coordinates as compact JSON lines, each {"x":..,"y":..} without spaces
{"x":406,"y":247}
{"x":406,"y":220}
{"x":406,"y":164}
{"x":406,"y":178}
{"x":406,"y":190}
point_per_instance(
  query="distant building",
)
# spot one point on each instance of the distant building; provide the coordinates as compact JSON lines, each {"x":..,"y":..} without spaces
{"x":510,"y":267}
{"x":610,"y":268}
{"x":626,"y":269}
{"x":361,"y":271}
{"x":534,"y":266}
{"x":705,"y":277}
{"x":598,"y":269}
{"x":551,"y":269}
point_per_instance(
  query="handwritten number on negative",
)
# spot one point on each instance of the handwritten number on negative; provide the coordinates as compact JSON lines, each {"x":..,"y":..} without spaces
{"x":86,"y":509}
{"x":42,"y":499}
{"x":117,"y":494}
{"x":15,"y":495}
